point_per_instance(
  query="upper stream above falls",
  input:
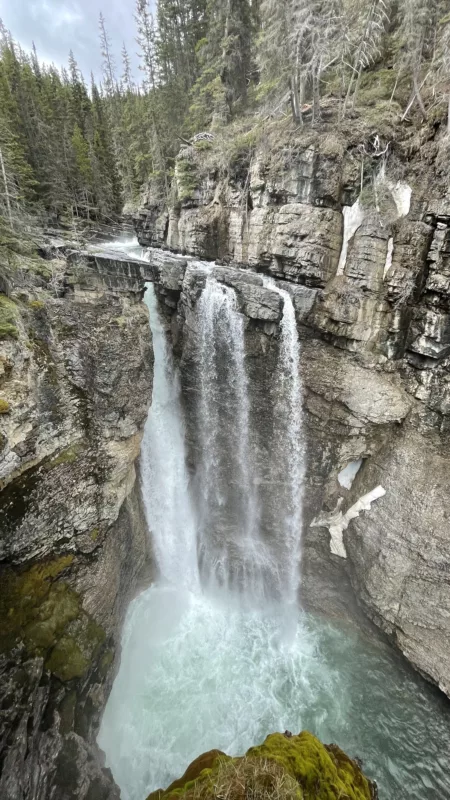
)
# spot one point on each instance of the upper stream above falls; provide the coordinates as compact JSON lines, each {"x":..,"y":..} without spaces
{"x":216,"y":653}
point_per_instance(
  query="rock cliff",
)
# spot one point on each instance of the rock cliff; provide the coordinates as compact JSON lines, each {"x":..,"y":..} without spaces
{"x":75,"y":387}
{"x":355,"y":224}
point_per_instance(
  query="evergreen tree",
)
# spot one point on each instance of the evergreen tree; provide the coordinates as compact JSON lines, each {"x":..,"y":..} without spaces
{"x":106,"y":179}
{"x":225,"y":61}
{"x":146,"y":40}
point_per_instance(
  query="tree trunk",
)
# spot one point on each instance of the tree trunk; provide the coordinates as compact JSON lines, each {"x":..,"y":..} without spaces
{"x":418,"y":95}
{"x":316,"y":95}
{"x":5,"y":182}
{"x":358,"y":81}
{"x":295,"y":104}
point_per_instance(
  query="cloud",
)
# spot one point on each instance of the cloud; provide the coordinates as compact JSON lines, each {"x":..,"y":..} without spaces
{"x":56,"y":14}
{"x":58,"y":26}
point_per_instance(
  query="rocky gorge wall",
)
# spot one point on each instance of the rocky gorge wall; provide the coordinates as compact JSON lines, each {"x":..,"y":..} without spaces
{"x":75,"y":388}
{"x":374,"y":323}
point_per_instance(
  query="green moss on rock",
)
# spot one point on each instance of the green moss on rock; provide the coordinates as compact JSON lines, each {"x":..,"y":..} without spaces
{"x":67,"y":660}
{"x":282,"y":768}
{"x":4,"y":406}
{"x":67,"y":456}
{"x":30,"y":603}
{"x":43,"y":612}
{"x":8,"y":317}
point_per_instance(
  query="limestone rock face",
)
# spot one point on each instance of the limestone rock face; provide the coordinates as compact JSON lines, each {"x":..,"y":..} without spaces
{"x":75,"y":384}
{"x":370,"y":285}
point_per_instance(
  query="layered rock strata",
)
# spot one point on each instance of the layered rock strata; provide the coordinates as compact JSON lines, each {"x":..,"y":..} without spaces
{"x":372,"y":305}
{"x":75,"y":388}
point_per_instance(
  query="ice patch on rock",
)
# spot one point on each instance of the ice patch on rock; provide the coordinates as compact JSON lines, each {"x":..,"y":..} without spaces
{"x":353,"y":217}
{"x":401,"y":193}
{"x":337,"y":522}
{"x":400,"y":190}
{"x":389,"y":255}
{"x":348,"y":474}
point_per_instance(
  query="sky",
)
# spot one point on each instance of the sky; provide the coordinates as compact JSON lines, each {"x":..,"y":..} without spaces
{"x":57,"y":26}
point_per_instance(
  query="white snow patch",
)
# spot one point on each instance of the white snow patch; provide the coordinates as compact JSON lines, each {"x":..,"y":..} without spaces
{"x":401,"y":192}
{"x":337,"y":522}
{"x":349,"y":473}
{"x":389,"y":255}
{"x":353,"y":217}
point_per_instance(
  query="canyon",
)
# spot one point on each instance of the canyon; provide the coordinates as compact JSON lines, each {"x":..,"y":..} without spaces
{"x":369,"y":281}
{"x":345,"y":431}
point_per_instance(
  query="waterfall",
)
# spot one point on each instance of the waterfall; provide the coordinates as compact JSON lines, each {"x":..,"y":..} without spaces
{"x":289,"y":449}
{"x":230,"y":553}
{"x":216,"y":534}
{"x":165,"y":482}
{"x":235,"y":553}
{"x":199,"y":670}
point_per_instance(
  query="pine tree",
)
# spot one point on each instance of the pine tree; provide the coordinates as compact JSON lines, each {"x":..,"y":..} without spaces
{"x":109,"y":68}
{"x":106,"y":178}
{"x":225,"y":63}
{"x":17,"y":181}
{"x":146,"y":40}
{"x":275,"y":55}
{"x":126,"y":81}
{"x":83,"y":176}
{"x":368,"y":46}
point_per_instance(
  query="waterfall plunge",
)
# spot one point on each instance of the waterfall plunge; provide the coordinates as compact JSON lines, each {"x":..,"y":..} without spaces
{"x":289,"y":450}
{"x":220,"y":532}
{"x":165,"y":483}
{"x":230,"y":552}
{"x":196,"y":673}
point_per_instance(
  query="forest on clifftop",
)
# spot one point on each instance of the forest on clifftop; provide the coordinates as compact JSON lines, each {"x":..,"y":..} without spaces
{"x":72,"y":150}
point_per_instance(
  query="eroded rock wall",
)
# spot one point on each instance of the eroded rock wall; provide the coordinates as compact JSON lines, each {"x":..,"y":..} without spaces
{"x":75,"y":388}
{"x":373,"y":319}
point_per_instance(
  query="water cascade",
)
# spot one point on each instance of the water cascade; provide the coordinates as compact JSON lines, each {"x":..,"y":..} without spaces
{"x":165,"y":489}
{"x":200,"y":670}
{"x":289,"y":450}
{"x":226,"y":491}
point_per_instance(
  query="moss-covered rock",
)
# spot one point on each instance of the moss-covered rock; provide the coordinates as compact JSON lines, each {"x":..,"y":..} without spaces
{"x":4,"y":406}
{"x":67,"y":456}
{"x":67,"y":660}
{"x":283,"y":768}
{"x":8,"y":318}
{"x":45,"y":614}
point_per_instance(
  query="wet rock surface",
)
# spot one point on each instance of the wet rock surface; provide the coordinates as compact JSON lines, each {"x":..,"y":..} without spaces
{"x":375,"y":340}
{"x":76,"y":378}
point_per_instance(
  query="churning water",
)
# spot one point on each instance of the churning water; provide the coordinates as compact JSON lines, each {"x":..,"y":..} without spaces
{"x":202,"y":669}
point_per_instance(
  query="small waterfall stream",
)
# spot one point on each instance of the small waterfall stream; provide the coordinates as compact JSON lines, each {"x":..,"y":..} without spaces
{"x":290,"y":447}
{"x":215,"y":654}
